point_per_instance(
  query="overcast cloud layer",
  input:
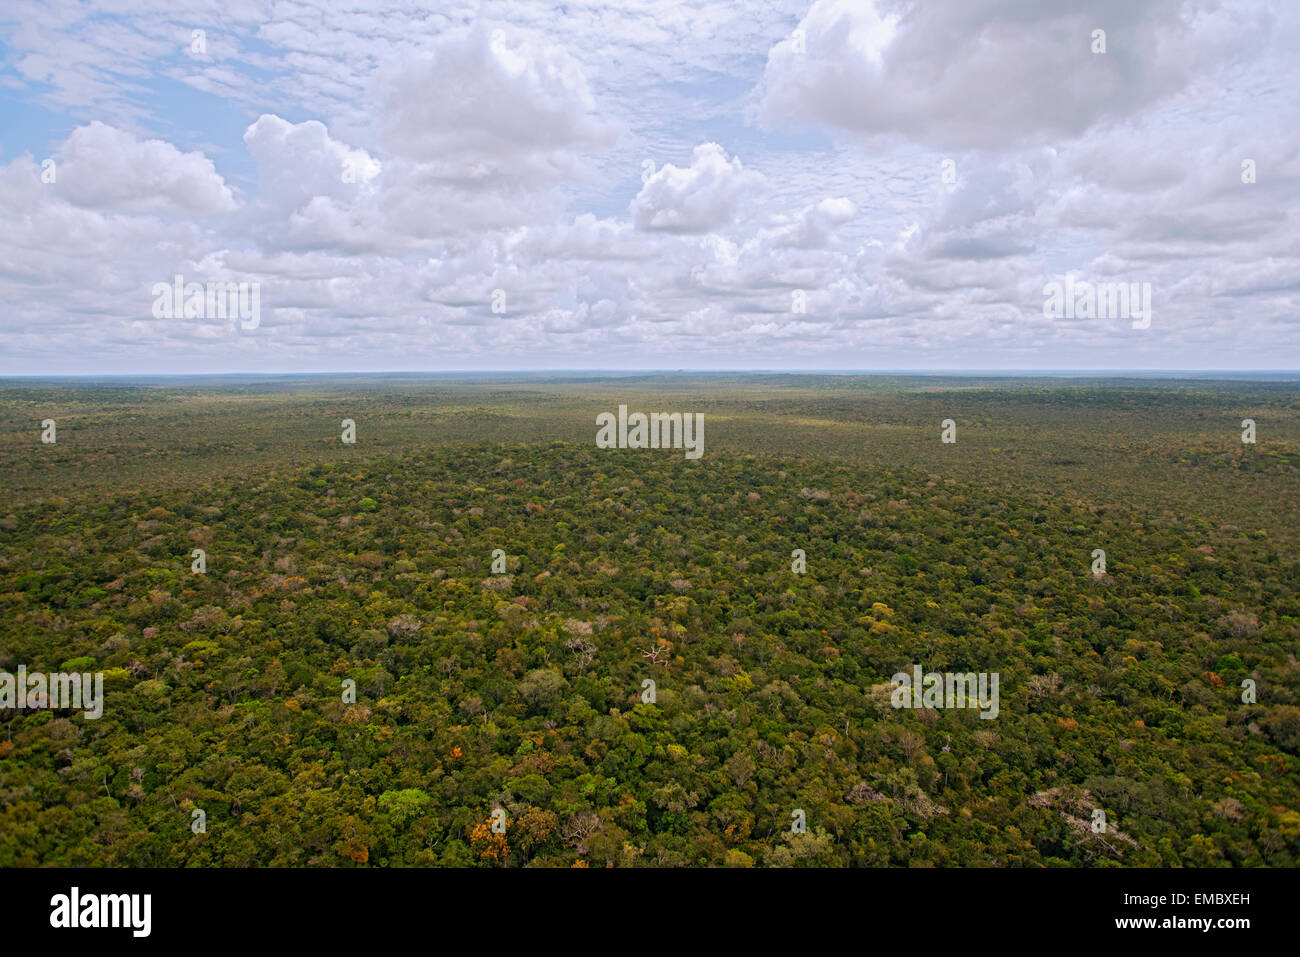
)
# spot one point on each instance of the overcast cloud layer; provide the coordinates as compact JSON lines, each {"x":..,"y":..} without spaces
{"x":674,"y":185}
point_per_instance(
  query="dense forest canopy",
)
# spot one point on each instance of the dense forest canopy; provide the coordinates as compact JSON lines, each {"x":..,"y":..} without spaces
{"x":436,"y":646}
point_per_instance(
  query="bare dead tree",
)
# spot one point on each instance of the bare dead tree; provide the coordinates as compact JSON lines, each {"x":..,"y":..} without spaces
{"x":583,"y":649}
{"x":580,"y":827}
{"x":656,"y":653}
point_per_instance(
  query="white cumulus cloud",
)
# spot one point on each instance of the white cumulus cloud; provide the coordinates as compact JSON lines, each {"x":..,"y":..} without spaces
{"x":700,"y":198}
{"x":103,"y":167}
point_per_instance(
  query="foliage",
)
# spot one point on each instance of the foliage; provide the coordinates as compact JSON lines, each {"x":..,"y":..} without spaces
{"x":523,"y":691}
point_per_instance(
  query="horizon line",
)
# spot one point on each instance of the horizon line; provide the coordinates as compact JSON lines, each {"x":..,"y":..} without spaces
{"x":947,"y":373}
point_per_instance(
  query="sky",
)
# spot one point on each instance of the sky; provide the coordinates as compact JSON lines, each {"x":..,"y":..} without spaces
{"x":659,"y":184}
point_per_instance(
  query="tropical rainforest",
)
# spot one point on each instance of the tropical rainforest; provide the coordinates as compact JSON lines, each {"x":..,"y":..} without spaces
{"x":472,"y":638}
